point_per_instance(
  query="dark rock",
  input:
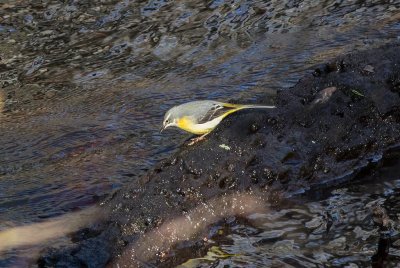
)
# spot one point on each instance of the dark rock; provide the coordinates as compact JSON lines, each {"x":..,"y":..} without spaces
{"x":94,"y":252}
{"x":90,"y":252}
{"x":302,"y":145}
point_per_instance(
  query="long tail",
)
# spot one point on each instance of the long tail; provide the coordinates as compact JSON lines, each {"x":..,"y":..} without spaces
{"x":258,"y":106}
{"x":238,"y":107}
{"x":248,"y":106}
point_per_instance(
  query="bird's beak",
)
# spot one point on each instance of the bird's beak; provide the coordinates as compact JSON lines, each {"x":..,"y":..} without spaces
{"x":162,"y":129}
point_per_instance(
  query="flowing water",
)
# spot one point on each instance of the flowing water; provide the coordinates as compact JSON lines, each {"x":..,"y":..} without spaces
{"x":336,"y":230}
{"x":84,"y":84}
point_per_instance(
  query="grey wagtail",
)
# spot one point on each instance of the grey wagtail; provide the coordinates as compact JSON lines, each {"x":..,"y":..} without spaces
{"x":201,"y":117}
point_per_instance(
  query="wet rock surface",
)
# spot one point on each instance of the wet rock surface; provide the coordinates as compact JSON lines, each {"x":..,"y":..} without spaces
{"x":326,"y":131}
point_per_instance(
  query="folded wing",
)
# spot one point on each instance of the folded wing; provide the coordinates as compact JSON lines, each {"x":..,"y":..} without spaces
{"x":217,"y":110}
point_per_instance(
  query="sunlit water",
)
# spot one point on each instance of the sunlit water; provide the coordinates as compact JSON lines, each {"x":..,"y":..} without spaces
{"x":334,"y":230}
{"x":84,"y":84}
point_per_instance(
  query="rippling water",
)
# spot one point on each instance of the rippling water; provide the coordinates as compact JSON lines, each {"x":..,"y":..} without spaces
{"x":84,"y":84}
{"x":334,"y":231}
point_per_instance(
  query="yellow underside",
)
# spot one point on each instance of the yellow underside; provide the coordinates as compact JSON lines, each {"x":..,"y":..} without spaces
{"x":186,"y":124}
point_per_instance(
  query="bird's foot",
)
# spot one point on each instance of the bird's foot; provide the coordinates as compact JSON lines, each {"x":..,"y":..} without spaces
{"x":196,"y":140}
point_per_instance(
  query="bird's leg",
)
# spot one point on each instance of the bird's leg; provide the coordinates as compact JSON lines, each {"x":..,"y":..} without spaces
{"x":197,"y":139}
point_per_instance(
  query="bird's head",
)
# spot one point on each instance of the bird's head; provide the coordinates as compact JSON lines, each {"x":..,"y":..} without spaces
{"x":170,"y":119}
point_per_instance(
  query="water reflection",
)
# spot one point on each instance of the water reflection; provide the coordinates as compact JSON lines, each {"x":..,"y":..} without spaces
{"x":28,"y":237}
{"x":159,"y":241}
{"x":84,"y":84}
{"x":38,"y":233}
{"x":337,"y":231}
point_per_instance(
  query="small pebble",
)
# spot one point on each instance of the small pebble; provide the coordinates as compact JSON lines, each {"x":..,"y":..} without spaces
{"x":369,"y":69}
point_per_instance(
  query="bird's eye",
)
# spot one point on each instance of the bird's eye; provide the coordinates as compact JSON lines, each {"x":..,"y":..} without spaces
{"x":166,"y":121}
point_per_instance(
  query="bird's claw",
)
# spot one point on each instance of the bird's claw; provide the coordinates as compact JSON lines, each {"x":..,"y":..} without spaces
{"x":196,"y":140}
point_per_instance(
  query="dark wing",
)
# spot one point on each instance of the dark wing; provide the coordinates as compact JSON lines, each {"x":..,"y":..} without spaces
{"x":216,"y":111}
